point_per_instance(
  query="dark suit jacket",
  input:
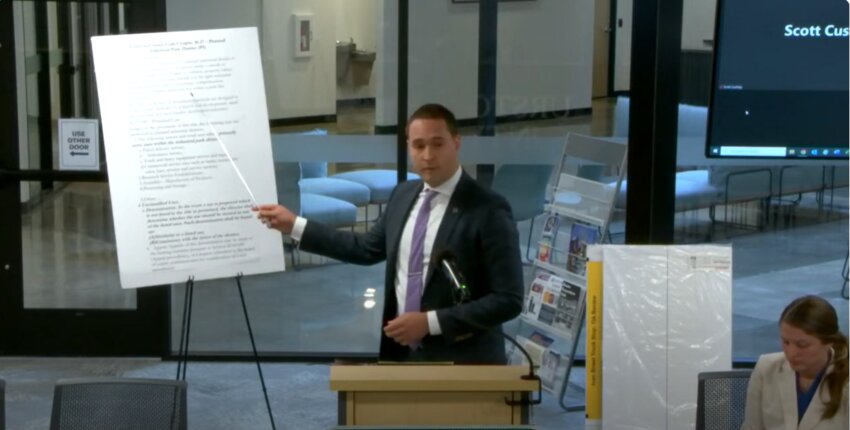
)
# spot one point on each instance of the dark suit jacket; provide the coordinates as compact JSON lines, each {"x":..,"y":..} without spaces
{"x":479,"y":229}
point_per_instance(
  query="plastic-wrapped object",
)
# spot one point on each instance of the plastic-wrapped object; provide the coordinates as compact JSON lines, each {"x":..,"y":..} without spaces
{"x":667,"y":315}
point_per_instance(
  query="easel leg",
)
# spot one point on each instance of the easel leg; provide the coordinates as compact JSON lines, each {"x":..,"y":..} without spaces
{"x":254,"y":348}
{"x":183,"y":348}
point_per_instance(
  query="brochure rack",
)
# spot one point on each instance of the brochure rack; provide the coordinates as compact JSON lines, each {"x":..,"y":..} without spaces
{"x":582,"y":195}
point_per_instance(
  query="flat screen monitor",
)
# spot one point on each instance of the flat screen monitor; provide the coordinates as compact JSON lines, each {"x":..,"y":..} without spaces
{"x":780,"y":80}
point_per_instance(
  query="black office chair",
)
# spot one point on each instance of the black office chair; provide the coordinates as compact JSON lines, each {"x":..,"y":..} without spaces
{"x":2,"y":404}
{"x":119,"y":403}
{"x":721,"y":399}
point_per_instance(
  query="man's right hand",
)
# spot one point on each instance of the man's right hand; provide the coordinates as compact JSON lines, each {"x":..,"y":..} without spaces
{"x":276,"y":217}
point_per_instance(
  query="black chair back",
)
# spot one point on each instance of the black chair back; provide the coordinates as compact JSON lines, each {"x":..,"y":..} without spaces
{"x":721,"y":399}
{"x":119,"y":403}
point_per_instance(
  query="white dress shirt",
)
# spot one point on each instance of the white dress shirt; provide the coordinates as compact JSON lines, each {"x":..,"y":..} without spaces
{"x":439,"y":204}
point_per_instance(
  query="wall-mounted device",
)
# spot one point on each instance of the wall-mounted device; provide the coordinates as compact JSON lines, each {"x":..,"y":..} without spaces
{"x":303,"y":23}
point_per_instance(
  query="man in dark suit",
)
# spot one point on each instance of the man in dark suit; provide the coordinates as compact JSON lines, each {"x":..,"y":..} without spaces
{"x":446,"y":210}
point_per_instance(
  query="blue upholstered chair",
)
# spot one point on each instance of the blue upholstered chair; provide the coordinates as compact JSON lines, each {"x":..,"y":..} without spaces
{"x":524,"y":186}
{"x":349,"y":186}
{"x":379,"y":181}
{"x":315,"y":207}
{"x":315,"y":180}
{"x":326,"y":210}
{"x":693,"y":191}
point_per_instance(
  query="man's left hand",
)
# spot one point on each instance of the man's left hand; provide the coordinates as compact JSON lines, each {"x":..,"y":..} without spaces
{"x":408,"y":328}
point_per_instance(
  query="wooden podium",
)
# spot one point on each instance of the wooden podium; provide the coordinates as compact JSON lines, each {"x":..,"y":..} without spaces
{"x":394,"y":394}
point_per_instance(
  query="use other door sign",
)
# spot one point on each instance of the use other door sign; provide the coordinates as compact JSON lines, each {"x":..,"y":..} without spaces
{"x":78,"y":144}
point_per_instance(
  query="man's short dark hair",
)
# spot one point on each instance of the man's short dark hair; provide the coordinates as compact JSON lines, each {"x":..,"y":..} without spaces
{"x":435,"y":111}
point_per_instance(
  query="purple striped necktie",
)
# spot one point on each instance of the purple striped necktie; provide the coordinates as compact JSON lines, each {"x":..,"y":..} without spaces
{"x":415,"y":277}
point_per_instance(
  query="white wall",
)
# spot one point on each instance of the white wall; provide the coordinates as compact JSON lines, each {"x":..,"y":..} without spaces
{"x":697,"y":25}
{"x":358,"y":20}
{"x":208,"y":14}
{"x":295,"y":87}
{"x":443,"y":56}
{"x":385,"y":70}
{"x":623,"y":46}
{"x":298,"y":87}
{"x":545,"y":52}
{"x":544,"y":57}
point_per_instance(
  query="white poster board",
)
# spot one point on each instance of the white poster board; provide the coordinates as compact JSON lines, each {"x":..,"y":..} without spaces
{"x":179,"y":206}
{"x":667,"y":316}
{"x":79,"y":144}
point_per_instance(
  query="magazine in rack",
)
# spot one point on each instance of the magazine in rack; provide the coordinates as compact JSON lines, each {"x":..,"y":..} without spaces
{"x":580,"y":236}
{"x":568,"y":310}
{"x":549,"y":369}
{"x":554,"y":303}
{"x":537,"y":345}
{"x":541,"y":339}
{"x":545,"y":247}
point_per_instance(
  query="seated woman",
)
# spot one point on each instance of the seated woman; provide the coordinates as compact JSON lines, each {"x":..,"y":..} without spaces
{"x":805,"y":386}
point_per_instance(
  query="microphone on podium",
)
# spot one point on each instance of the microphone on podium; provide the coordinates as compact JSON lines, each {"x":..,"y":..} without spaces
{"x":448,"y":263}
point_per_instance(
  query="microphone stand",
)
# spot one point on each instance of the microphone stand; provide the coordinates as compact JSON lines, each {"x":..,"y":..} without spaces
{"x":531,"y":376}
{"x":463,"y":293}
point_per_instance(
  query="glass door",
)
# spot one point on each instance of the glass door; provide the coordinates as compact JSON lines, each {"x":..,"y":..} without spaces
{"x":59,"y":287}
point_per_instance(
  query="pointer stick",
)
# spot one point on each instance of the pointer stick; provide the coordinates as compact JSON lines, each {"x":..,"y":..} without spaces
{"x":224,"y":148}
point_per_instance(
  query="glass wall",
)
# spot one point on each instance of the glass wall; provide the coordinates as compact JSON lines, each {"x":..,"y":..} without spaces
{"x":322,"y":87}
{"x":344,"y":97}
{"x":68,"y":245}
{"x":333,"y":112}
{"x":785,"y":220}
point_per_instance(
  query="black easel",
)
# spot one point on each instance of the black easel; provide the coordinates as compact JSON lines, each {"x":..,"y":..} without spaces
{"x":183,"y":349}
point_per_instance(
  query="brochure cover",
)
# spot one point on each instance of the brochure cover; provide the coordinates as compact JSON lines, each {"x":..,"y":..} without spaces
{"x":544,"y":251}
{"x":541,"y":339}
{"x":534,"y":349}
{"x":568,"y":308}
{"x":540,"y":302}
{"x":555,"y":303}
{"x":580,"y":236}
{"x":547,"y":238}
{"x":549,"y":369}
{"x":550,"y":227}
